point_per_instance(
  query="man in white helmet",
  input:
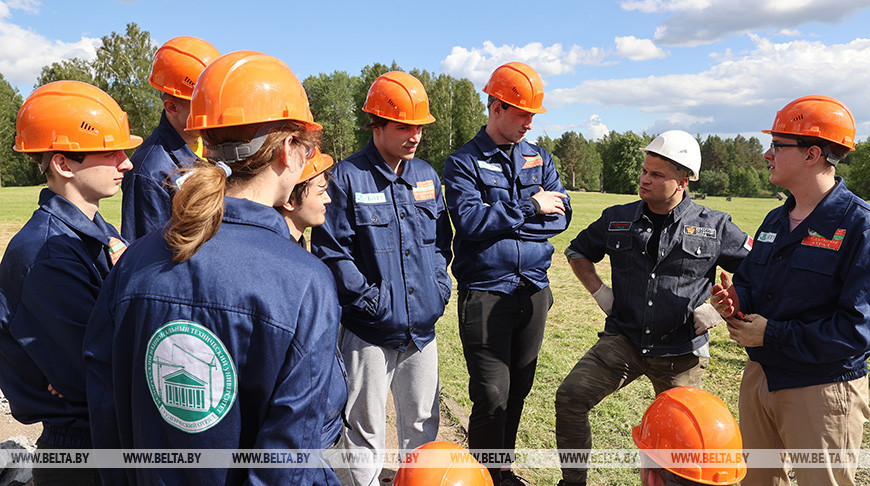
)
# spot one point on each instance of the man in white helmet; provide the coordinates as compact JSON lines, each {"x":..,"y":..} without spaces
{"x":664,"y":250}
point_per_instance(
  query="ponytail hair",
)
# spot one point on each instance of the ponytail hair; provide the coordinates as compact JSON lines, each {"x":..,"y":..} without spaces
{"x":198,"y":204}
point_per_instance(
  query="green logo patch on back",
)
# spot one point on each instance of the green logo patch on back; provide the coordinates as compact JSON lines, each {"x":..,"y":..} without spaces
{"x":191,"y":376}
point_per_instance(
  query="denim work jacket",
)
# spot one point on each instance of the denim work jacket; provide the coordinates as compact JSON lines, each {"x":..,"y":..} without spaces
{"x":654,"y":302}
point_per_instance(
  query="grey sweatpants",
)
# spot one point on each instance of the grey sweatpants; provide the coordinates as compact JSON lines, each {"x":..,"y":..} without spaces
{"x":373,"y":371}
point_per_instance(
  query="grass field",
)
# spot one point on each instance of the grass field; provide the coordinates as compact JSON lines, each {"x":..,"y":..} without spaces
{"x":572,"y":328}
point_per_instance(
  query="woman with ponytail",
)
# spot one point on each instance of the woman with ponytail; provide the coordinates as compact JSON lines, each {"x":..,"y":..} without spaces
{"x":220,"y":333}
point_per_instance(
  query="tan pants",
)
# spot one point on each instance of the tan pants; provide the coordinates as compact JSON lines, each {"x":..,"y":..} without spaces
{"x":823,"y":417}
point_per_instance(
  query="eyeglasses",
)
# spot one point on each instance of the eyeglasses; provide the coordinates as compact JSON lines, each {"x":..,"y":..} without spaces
{"x":310,"y":151}
{"x":776,"y":145}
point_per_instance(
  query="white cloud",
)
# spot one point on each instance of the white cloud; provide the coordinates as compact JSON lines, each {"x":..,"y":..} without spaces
{"x":696,"y":22}
{"x":596,"y":127}
{"x":23,"y":53}
{"x":740,"y":92}
{"x":477,"y":64}
{"x":634,"y":49}
{"x":791,"y":32}
{"x":658,"y":6}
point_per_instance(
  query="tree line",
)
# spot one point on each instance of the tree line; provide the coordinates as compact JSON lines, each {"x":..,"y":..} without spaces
{"x":729,"y":167}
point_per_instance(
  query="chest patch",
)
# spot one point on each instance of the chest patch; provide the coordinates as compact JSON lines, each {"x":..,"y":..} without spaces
{"x":766,"y":237}
{"x":819,"y":241}
{"x":369,"y":197}
{"x":116,"y":249}
{"x":424,"y":190}
{"x":619,"y":226}
{"x":191,"y":376}
{"x":488,"y":166}
{"x":533,"y":161}
{"x":700,"y":231}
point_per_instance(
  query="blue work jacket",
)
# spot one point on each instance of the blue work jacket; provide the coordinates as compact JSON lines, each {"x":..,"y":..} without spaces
{"x":147,"y":189}
{"x":813,"y":287}
{"x":499,"y":238}
{"x":654,"y":300}
{"x":387,"y":241}
{"x":50,"y":276}
{"x":247,"y":326}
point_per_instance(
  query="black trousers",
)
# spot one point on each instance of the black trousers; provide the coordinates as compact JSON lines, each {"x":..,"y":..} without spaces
{"x":501,"y":337}
{"x":43,"y":476}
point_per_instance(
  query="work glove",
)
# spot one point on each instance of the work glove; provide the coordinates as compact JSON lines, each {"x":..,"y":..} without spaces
{"x":604,"y":297}
{"x":706,"y":317}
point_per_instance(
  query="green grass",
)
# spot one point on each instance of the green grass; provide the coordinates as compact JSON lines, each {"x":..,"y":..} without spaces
{"x":572,"y":328}
{"x":18,"y":203}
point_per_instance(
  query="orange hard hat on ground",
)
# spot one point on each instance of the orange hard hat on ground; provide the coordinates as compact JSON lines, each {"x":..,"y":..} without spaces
{"x":71,"y":116}
{"x":518,"y":85}
{"x":315,"y":165}
{"x":178,"y":64}
{"x":816,"y":116}
{"x":688,"y":418}
{"x":248,"y":87}
{"x":441,"y":463}
{"x":399,"y":97}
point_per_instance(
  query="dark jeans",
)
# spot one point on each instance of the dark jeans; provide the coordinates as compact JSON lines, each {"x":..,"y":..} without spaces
{"x":43,"y":476}
{"x":501,"y":337}
{"x":609,"y":365}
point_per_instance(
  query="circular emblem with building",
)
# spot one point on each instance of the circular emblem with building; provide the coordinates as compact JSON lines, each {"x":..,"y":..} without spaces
{"x":191,"y":376}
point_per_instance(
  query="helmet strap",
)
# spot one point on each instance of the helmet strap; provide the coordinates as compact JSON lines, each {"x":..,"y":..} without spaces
{"x":832,"y":158}
{"x":238,"y":151}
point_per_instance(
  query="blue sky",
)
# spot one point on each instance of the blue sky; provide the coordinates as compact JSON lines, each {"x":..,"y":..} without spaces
{"x":705,"y":66}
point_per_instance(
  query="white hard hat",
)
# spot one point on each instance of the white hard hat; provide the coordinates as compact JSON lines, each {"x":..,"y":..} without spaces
{"x":679,"y":147}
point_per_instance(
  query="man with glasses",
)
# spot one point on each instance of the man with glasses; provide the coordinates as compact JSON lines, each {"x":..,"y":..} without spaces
{"x":800,"y":301}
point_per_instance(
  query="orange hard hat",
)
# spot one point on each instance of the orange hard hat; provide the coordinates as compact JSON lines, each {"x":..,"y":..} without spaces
{"x":71,"y":116}
{"x":518,"y":85}
{"x":441,"y":463}
{"x":315,"y":165}
{"x":399,"y":97}
{"x":248,"y":87}
{"x":817,"y":116}
{"x":178,"y":63}
{"x":688,"y":418}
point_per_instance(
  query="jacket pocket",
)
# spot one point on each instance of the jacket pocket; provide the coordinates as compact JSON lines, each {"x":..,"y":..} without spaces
{"x":529,"y":180}
{"x":495,"y":186}
{"x":426,"y":221}
{"x":811,"y":274}
{"x":618,"y":245}
{"x":373,"y":226}
{"x":699,"y":254}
